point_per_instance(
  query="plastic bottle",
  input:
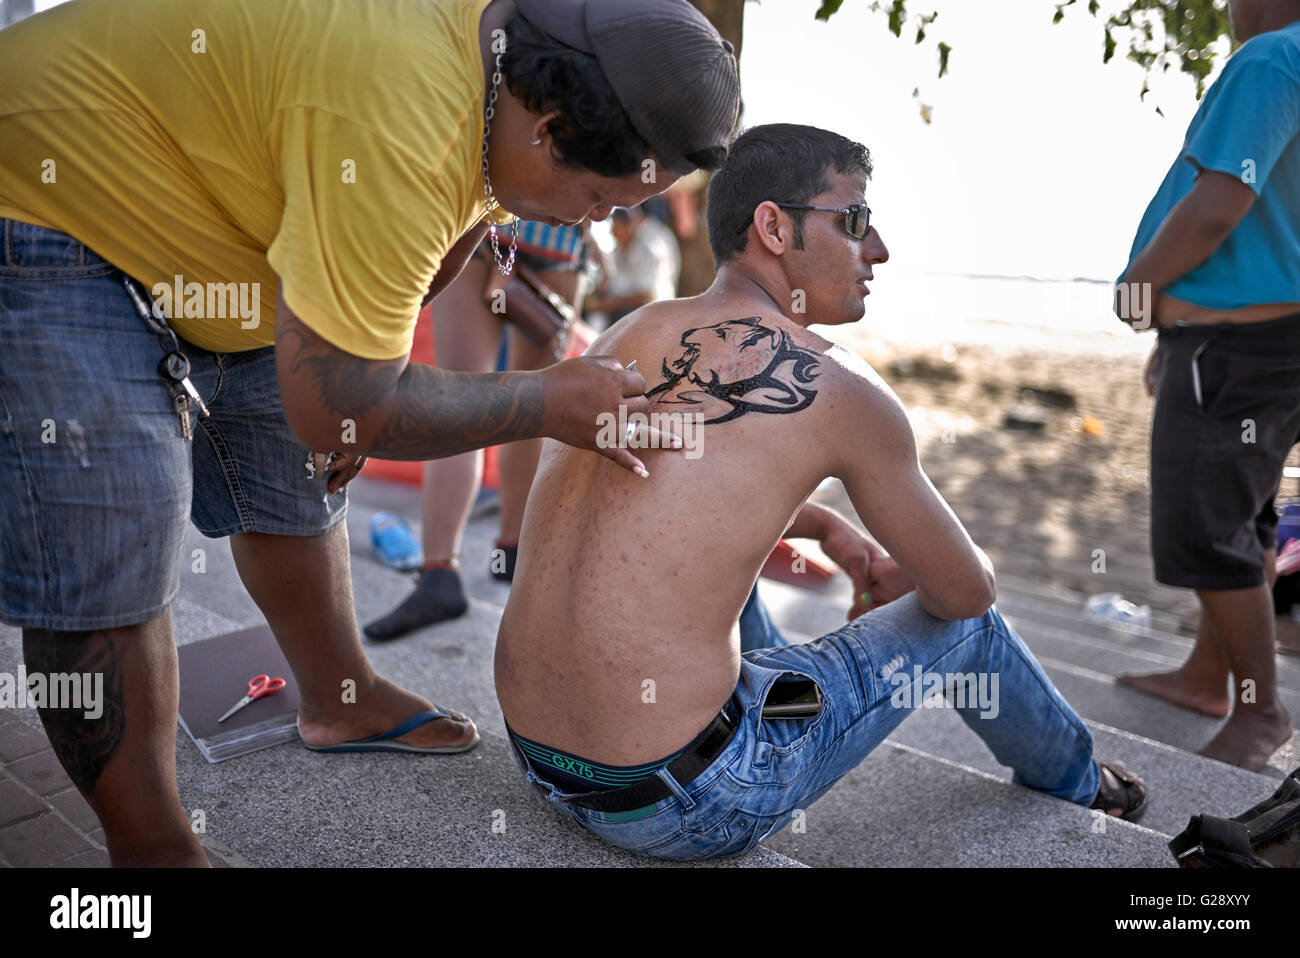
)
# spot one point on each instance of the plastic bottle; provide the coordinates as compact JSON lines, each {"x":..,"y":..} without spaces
{"x":1113,"y":607}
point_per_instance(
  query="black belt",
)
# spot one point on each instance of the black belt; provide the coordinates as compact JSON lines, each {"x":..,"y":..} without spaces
{"x":685,"y":768}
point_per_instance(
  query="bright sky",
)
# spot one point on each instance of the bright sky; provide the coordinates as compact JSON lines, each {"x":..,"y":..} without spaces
{"x":1040,"y":159}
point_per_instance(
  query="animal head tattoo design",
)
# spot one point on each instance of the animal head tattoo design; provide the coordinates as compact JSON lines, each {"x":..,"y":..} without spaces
{"x":736,"y":367}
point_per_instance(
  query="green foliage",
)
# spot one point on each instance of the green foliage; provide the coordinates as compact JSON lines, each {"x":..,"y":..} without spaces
{"x":828,"y":8}
{"x":1160,"y":33}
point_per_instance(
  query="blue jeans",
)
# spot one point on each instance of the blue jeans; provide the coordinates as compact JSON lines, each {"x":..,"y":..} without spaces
{"x":97,"y":481}
{"x":868,"y":674}
{"x":757,"y":630}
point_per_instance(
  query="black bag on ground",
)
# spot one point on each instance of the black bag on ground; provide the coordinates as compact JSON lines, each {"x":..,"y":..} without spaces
{"x":1266,"y":836}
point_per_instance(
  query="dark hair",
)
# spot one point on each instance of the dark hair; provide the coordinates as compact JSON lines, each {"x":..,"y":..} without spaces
{"x":593,"y":130}
{"x":782,"y":162}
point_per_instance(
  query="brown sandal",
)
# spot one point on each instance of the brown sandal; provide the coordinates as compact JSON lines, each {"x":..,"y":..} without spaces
{"x":1123,"y":795}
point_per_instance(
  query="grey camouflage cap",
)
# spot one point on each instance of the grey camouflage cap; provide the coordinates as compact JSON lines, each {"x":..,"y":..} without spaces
{"x":676,"y":78}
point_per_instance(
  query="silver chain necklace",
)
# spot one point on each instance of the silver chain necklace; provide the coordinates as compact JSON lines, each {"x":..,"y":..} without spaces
{"x":492,"y":203}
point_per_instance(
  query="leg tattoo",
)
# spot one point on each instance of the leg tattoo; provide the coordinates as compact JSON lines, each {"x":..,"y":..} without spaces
{"x":84,"y":746}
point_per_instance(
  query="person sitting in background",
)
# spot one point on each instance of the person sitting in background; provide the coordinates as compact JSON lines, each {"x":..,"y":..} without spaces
{"x":645,"y":265}
{"x":627,"y":698}
{"x":467,"y":336}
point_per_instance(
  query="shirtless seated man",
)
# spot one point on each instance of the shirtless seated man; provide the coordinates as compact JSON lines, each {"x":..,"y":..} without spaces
{"x":629,"y":702}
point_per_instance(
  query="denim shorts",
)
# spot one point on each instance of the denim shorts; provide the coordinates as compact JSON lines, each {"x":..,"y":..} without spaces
{"x":872,"y":674}
{"x":97,"y":478}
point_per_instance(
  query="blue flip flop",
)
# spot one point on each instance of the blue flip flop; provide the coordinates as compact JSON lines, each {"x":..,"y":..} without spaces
{"x":386,"y":743}
{"x":394,"y":542}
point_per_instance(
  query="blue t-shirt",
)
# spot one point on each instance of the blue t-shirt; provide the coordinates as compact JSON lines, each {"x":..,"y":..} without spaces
{"x":1247,"y":127}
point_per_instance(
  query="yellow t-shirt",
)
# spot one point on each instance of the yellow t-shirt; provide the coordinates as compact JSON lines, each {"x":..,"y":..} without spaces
{"x":334,"y":144}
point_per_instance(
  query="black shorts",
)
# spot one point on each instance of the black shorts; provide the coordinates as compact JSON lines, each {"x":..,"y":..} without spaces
{"x":1227,"y":413}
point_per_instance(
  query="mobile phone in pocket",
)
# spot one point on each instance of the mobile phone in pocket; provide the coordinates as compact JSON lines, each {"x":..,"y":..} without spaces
{"x":793,"y":698}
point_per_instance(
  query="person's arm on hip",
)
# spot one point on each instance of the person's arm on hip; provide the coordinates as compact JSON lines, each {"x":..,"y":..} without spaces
{"x":1192,"y":231}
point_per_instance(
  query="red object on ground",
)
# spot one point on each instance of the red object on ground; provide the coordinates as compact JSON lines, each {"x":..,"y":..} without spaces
{"x":780,"y":566}
{"x":412,"y":473}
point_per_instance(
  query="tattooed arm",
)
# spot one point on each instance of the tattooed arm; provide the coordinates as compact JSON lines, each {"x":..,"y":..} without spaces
{"x":404,"y":410}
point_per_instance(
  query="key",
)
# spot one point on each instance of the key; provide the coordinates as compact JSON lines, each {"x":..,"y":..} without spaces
{"x":182,"y":403}
{"x":192,"y":395}
{"x":176,"y":367}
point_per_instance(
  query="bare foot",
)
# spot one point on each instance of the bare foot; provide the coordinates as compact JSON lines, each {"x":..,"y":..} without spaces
{"x":162,"y":854}
{"x":1176,"y":687}
{"x":1288,"y":636}
{"x":1250,"y":738}
{"x":379,"y":708}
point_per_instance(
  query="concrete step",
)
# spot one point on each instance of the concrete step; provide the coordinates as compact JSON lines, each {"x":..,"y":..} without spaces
{"x":1024,"y":590}
{"x":1143,"y":650}
{"x":1097,"y":699}
{"x":1078,"y":653}
{"x":1152,"y":715}
{"x":934,"y":794}
{"x":287,"y":807}
{"x":903,"y":806}
{"x":815,"y":612}
{"x":1180,"y":784}
{"x":1081,"y":662}
{"x":1108,"y":658}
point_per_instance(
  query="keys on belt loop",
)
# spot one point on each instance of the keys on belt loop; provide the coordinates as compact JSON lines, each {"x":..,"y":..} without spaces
{"x":174,"y":367}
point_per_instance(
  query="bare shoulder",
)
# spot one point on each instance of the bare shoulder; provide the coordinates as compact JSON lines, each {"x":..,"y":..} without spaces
{"x":636,"y":328}
{"x":859,"y":382}
{"x":866,"y":410}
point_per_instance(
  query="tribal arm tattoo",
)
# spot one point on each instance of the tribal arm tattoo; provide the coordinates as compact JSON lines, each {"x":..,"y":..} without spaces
{"x":83,"y":746}
{"x":403,"y":410}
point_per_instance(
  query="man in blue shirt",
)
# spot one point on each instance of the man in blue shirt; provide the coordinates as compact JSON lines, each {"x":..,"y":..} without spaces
{"x":1215,"y":267}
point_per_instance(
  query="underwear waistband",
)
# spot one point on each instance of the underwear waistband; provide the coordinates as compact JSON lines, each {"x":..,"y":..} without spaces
{"x":572,"y":771}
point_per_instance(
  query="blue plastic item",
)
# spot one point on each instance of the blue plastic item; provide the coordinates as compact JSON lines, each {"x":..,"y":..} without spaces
{"x":394,"y":542}
{"x":1288,"y":522}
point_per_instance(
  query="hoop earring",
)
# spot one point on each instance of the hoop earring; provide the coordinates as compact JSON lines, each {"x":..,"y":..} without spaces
{"x":537,"y":142}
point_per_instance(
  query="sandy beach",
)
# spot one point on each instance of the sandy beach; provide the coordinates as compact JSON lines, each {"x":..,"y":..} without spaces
{"x":1041,"y":501}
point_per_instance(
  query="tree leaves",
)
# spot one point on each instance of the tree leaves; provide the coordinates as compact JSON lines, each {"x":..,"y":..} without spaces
{"x":896,"y":14}
{"x":1162,"y":33}
{"x":1189,"y":32}
{"x":828,"y":8}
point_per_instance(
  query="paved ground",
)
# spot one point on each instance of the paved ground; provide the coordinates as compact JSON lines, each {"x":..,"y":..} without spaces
{"x":932,"y":795}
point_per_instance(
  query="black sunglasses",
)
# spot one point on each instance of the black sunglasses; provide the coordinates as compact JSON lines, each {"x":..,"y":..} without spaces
{"x":857,"y":218}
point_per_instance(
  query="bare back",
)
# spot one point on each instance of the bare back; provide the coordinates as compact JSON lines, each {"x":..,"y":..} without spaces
{"x":619,"y":640}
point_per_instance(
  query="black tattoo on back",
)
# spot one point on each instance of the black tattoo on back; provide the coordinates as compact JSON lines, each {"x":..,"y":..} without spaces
{"x":736,"y":367}
{"x":83,"y":746}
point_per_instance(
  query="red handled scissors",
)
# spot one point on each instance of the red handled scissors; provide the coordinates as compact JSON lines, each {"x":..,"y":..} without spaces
{"x":259,"y":686}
